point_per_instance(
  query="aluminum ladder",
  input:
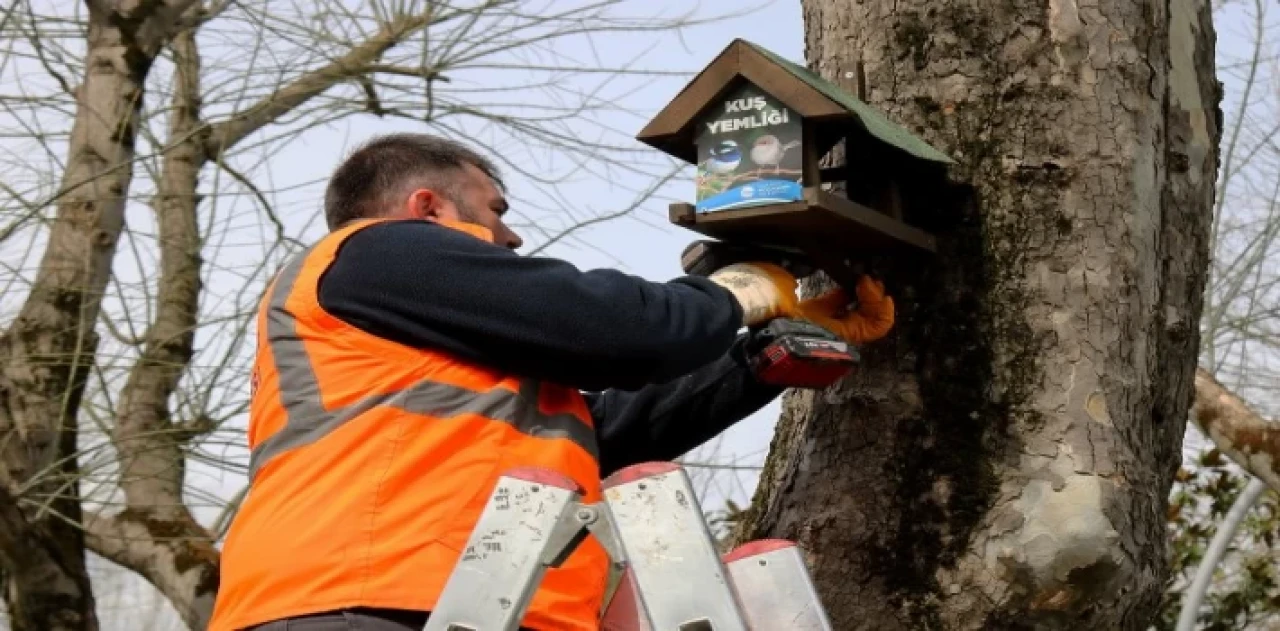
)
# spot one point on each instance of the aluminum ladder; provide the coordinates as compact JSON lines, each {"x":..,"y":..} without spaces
{"x":652,"y":527}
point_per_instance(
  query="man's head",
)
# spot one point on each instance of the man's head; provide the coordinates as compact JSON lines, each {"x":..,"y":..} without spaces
{"x":417,"y":176}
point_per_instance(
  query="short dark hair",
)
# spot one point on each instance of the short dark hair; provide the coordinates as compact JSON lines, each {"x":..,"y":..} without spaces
{"x":379,"y":171}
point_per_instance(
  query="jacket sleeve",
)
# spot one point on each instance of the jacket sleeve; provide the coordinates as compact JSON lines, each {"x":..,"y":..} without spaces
{"x":664,"y":421}
{"x":429,"y":286}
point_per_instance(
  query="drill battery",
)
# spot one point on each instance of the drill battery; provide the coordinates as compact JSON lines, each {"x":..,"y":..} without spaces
{"x":797,"y":354}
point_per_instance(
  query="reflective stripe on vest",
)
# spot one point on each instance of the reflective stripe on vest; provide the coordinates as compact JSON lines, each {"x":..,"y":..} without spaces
{"x":308,"y":421}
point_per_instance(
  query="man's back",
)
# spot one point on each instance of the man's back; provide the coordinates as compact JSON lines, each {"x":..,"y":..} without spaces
{"x":372,"y":460}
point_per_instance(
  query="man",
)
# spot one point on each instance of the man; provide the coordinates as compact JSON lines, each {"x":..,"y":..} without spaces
{"x":410,"y":357}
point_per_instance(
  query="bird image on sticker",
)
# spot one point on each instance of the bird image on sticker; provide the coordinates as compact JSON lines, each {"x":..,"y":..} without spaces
{"x":767,"y":152}
{"x":724,"y":158}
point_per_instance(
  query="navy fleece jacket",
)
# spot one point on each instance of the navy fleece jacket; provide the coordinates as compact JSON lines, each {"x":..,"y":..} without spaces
{"x":662,"y":364}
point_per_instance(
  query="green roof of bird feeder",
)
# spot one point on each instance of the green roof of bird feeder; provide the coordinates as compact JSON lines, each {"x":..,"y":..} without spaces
{"x":756,"y":126}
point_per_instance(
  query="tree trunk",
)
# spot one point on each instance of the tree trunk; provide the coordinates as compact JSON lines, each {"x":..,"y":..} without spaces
{"x":156,"y":535}
{"x":50,"y":346}
{"x":1002,"y":460}
{"x":46,"y":354}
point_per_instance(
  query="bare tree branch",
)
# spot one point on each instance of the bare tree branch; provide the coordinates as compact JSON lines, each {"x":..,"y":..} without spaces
{"x":228,"y":133}
{"x":1244,"y":436}
{"x":150,"y":449}
{"x":175,"y":555}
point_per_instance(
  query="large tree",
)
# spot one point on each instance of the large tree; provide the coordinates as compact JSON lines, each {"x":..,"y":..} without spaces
{"x":1003,"y":460}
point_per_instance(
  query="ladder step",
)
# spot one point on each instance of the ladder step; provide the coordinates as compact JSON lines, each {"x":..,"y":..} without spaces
{"x":524,"y":529}
{"x":674,"y":567}
{"x":774,"y":586}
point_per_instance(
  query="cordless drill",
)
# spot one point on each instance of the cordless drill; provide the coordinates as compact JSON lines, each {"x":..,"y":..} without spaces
{"x":785,"y":352}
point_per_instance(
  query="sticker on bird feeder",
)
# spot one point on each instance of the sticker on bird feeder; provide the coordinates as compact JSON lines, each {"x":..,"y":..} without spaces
{"x":749,"y":152}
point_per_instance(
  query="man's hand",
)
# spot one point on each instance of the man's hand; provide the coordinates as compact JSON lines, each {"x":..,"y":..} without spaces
{"x":870,"y":322}
{"x":765,"y":291}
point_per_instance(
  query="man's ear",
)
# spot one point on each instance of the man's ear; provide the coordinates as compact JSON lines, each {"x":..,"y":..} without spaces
{"x":423,"y":203}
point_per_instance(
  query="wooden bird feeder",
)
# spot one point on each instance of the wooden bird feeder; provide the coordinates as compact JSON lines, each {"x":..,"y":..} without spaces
{"x":757,"y":126}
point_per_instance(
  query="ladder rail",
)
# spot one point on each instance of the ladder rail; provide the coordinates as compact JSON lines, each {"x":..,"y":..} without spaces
{"x":774,"y":586}
{"x":528,"y":525}
{"x":670,"y":553}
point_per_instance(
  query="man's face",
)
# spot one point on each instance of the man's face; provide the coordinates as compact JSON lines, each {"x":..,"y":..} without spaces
{"x":481,"y":203}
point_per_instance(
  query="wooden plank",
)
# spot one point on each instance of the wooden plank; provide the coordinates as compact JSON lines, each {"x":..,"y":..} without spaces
{"x":851,"y":76}
{"x":786,"y":87}
{"x":810,"y":170}
{"x":885,"y":226}
{"x":823,"y":222}
{"x":766,"y":225}
{"x":682,"y":214}
{"x":668,"y":131}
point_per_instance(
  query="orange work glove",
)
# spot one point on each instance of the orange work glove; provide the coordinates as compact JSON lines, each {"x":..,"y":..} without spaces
{"x":765,"y":291}
{"x":870,"y":322}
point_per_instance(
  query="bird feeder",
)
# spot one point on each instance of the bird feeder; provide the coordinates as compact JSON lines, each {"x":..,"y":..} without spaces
{"x":758,"y":126}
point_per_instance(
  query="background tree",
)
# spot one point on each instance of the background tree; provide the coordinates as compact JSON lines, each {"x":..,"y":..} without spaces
{"x":1240,"y":334}
{"x":1003,"y":461}
{"x":1211,"y":497}
{"x":141,"y":221}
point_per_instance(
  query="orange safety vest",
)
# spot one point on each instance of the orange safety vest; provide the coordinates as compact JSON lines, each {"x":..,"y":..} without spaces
{"x":371,"y":462}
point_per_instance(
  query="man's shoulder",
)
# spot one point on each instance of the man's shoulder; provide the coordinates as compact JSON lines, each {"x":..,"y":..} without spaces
{"x":408,"y":237}
{"x":397,"y":228}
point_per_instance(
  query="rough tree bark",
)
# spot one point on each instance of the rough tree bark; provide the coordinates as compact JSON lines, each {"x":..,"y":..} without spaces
{"x":46,"y":353}
{"x":156,"y":535}
{"x":1002,"y":460}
